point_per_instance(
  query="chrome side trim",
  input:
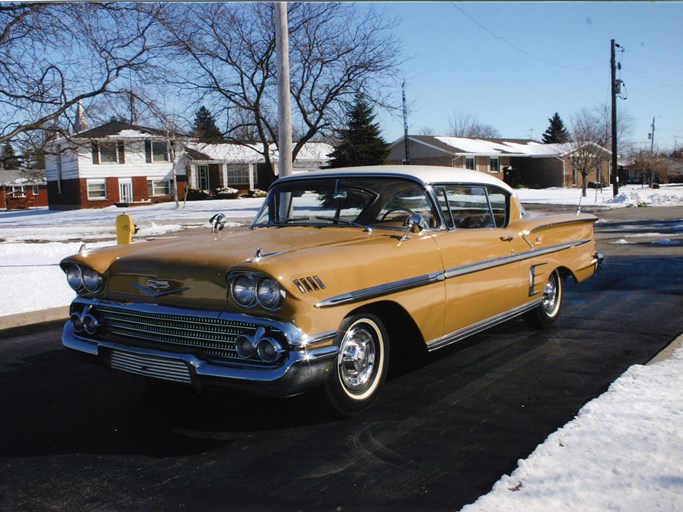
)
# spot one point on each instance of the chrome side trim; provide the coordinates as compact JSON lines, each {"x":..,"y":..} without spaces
{"x":514,"y":258}
{"x":378,"y":291}
{"x":448,"y":339}
{"x":416,"y":282}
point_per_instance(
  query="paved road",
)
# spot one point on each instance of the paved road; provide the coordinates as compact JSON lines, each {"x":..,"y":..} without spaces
{"x":446,"y":428}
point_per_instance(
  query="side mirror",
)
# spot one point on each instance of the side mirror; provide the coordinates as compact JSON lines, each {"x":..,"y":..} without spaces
{"x":414,"y":224}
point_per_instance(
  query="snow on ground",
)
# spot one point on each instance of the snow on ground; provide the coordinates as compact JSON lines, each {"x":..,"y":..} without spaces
{"x":623,"y":452}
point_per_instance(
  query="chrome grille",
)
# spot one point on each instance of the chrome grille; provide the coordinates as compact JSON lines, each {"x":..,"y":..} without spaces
{"x":150,"y":366}
{"x":209,"y":337}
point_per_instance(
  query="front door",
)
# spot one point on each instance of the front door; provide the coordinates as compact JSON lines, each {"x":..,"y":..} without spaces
{"x":125,"y":190}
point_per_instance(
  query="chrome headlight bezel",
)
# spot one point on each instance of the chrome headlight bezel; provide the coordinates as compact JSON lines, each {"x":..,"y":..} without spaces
{"x":83,"y":279}
{"x":74,"y":276}
{"x":92,"y":280}
{"x":252,"y":289}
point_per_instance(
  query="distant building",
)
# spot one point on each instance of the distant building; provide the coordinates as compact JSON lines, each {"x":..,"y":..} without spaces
{"x":517,"y":161}
{"x":121,"y":163}
{"x":23,"y":189}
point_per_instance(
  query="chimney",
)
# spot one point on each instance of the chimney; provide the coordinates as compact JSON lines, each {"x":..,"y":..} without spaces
{"x":80,"y":124}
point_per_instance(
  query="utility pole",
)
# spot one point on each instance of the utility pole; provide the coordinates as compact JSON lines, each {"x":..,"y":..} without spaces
{"x":284,"y":110}
{"x":406,"y":146}
{"x":652,"y":137}
{"x":614,"y":174}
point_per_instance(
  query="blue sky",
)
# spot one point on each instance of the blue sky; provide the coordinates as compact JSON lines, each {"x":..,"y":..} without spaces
{"x":513,"y":65}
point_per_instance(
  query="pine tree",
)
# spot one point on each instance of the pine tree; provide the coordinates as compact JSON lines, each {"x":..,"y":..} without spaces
{"x":556,"y":132}
{"x":9,"y":158}
{"x":360,"y":143}
{"x":205,"y":128}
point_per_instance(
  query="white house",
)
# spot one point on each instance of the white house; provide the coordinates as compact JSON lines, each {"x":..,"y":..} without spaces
{"x":123,"y":163}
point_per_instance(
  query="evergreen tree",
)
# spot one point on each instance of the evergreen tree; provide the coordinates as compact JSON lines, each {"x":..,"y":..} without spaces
{"x":556,"y":132}
{"x":360,"y":143}
{"x":205,"y":128}
{"x":9,"y":158}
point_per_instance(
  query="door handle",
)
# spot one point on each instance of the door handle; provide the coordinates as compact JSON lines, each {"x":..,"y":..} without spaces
{"x":507,"y":238}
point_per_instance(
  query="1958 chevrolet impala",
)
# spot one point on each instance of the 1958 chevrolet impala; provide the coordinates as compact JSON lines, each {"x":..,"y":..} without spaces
{"x":338,"y":267}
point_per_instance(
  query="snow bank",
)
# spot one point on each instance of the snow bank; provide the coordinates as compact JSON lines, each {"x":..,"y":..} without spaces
{"x":623,"y":452}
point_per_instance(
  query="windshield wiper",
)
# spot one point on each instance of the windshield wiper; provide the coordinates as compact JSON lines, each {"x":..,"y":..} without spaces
{"x":344,"y":222}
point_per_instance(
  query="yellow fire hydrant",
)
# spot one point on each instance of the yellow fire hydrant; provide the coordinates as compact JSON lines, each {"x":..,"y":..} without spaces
{"x":125,"y":229}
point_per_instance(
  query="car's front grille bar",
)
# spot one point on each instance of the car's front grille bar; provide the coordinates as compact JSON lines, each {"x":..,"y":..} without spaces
{"x":209,"y":337}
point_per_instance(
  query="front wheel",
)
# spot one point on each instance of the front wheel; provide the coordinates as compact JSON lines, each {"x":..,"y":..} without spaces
{"x":549,"y":309}
{"x":361,"y":365}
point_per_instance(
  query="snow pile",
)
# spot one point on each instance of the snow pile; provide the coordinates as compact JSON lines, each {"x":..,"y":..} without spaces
{"x":629,"y":196}
{"x":623,"y":451}
{"x":648,"y":197}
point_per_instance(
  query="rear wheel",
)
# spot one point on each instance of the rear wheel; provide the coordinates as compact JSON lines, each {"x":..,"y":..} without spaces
{"x":548,"y":310}
{"x":361,"y":365}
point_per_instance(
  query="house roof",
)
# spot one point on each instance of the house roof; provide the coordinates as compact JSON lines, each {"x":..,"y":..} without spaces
{"x":22,"y":177}
{"x":251,"y":154}
{"x":492,"y":147}
{"x":121,"y":130}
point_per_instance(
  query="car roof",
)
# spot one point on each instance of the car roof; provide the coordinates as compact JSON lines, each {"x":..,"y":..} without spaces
{"x":428,"y":174}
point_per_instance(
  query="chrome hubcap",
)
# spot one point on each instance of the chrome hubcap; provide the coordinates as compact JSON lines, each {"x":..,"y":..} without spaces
{"x":550,"y":296}
{"x":357,"y":359}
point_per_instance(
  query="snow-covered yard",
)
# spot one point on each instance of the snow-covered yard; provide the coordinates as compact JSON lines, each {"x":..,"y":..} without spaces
{"x":623,"y":452}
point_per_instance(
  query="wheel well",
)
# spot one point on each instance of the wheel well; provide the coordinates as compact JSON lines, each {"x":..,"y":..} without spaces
{"x":565,"y":273}
{"x":404,"y":334}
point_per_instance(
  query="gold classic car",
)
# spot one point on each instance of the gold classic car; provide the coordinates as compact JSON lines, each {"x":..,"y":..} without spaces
{"x":338,"y":269}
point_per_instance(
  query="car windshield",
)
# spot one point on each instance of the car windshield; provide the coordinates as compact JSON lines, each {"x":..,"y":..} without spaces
{"x":358,"y":201}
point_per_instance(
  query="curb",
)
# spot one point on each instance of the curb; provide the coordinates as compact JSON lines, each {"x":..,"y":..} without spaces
{"x":667,"y":351}
{"x":34,"y":317}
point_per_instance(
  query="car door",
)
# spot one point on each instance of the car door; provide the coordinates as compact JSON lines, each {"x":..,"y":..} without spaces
{"x":479,"y":255}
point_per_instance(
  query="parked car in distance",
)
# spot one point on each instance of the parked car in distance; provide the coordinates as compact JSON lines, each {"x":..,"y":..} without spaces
{"x":338,"y":268}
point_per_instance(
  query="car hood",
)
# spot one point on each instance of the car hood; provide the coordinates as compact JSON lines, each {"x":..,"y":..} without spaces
{"x":192,"y":269}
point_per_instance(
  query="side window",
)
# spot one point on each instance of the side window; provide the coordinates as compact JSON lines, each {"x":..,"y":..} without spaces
{"x":399,"y":206}
{"x":499,"y":206}
{"x":466,"y":206}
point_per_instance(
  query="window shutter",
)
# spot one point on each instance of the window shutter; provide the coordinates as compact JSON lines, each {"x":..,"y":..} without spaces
{"x":95,"y":153}
{"x":148,"y":151}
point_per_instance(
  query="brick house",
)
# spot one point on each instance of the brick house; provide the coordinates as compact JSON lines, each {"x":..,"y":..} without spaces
{"x":22,"y":189}
{"x":121,"y":163}
{"x":517,"y":161}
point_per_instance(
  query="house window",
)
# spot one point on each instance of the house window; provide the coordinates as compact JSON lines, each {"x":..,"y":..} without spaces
{"x":108,"y":153}
{"x":238,"y":176}
{"x":156,"y":151}
{"x":97,"y":190}
{"x":203,"y":177}
{"x":35,"y":190}
{"x":18,"y":191}
{"x":470,"y":163}
{"x":158,"y":188}
{"x":494,"y":164}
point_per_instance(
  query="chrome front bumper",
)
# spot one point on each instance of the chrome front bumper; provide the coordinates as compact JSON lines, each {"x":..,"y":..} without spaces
{"x":305,"y":364}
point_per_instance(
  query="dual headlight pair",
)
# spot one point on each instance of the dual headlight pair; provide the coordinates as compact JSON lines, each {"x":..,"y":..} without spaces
{"x":83,"y":278}
{"x":249,"y":289}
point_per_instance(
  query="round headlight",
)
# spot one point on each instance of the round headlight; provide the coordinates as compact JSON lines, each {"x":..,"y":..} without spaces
{"x":269,"y":293}
{"x":92,"y":281}
{"x":74,"y":276}
{"x":244,"y":290}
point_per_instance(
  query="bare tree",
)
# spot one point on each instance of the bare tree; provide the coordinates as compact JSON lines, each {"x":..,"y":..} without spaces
{"x":463,"y":124}
{"x":651,"y":167}
{"x":588,"y":154}
{"x":54,"y":55}
{"x":334,"y":53}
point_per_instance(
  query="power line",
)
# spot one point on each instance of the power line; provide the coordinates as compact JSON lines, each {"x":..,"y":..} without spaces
{"x":517,"y":48}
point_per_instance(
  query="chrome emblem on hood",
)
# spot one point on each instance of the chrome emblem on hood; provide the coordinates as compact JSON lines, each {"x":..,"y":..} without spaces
{"x":157,"y":288}
{"x":158,"y":285}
